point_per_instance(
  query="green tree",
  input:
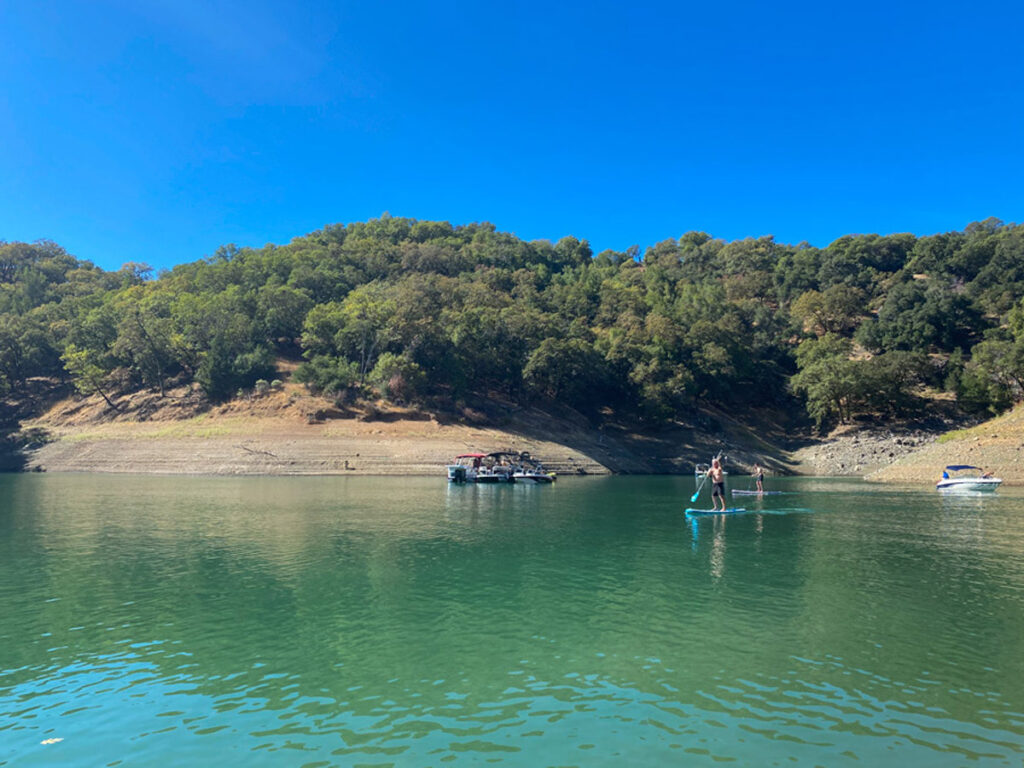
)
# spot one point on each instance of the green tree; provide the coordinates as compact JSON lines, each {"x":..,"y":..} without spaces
{"x":826,"y":378}
{"x":88,"y":376}
{"x":922,"y":316}
{"x":836,"y":310}
{"x":328,"y":375}
{"x":397,"y":378}
{"x":570,"y":370}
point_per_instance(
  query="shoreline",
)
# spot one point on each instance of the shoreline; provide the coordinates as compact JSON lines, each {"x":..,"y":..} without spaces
{"x":146,"y":449}
{"x":284,"y":447}
{"x":282,"y":436}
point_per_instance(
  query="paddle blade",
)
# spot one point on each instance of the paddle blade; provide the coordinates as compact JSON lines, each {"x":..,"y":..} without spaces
{"x":694,"y":497}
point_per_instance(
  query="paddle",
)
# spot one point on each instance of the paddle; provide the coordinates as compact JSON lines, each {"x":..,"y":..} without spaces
{"x":699,"y":486}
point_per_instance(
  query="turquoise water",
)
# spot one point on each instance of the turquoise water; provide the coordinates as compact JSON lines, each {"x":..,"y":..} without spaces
{"x":405,"y":622}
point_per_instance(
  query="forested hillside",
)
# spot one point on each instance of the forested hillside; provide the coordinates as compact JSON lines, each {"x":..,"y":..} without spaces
{"x":426,"y":312}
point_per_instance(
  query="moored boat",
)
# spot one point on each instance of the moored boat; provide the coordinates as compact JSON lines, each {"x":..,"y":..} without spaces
{"x":465,"y":467}
{"x":970,"y":478}
{"x":486,"y":468}
{"x":529,"y":470}
{"x":701,"y":469}
{"x":498,"y":467}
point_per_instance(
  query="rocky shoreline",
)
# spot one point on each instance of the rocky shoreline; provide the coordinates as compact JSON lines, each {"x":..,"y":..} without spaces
{"x":918,"y":456}
{"x":859,"y":453}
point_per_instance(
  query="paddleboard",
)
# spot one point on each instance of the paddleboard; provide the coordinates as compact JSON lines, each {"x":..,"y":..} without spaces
{"x":729,"y":511}
{"x":736,"y":492}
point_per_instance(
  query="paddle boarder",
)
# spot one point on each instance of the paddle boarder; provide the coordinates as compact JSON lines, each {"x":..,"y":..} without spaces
{"x":717,"y":476}
{"x":759,"y":475}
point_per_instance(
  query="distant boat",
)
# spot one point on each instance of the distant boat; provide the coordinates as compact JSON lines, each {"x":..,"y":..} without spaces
{"x":485,"y":468}
{"x":699,"y":470}
{"x":529,"y":470}
{"x":498,"y":467}
{"x":465,"y":467}
{"x":969,"y":479}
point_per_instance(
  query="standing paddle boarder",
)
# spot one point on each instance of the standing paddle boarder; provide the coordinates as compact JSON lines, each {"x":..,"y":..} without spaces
{"x":759,"y":475}
{"x":717,"y":475}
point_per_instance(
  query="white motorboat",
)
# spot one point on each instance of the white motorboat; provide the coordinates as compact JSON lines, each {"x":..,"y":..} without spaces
{"x":529,"y":470}
{"x":969,"y":479}
{"x":478,"y":468}
{"x":533,"y":476}
{"x":464,"y":468}
{"x":700,"y":470}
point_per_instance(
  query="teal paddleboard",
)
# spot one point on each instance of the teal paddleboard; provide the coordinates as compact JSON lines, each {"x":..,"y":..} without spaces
{"x":729,"y":511}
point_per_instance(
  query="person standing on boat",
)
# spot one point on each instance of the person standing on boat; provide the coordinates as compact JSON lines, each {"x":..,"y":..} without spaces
{"x":717,"y":475}
{"x":759,"y":476}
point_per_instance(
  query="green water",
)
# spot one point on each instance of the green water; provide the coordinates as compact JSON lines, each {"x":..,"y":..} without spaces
{"x":378,"y":622}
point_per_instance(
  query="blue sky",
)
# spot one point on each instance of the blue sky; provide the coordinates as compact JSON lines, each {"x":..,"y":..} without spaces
{"x":157,"y":131}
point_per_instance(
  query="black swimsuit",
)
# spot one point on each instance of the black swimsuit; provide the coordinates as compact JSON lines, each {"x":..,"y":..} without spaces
{"x":718,"y":488}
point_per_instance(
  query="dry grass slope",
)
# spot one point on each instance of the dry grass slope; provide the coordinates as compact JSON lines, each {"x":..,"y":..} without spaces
{"x":997,"y":445}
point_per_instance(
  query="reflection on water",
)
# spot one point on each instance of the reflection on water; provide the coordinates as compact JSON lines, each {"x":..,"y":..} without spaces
{"x":362,"y":621}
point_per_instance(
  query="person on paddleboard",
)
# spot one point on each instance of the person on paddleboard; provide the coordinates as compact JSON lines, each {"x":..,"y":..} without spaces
{"x":717,"y":475}
{"x":759,"y":476}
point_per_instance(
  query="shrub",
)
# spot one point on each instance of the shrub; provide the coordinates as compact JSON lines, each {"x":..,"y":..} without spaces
{"x":328,"y":374}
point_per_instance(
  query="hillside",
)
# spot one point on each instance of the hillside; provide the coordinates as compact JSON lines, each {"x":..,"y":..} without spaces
{"x":290,"y":432}
{"x":997,"y":445}
{"x":633,"y":362}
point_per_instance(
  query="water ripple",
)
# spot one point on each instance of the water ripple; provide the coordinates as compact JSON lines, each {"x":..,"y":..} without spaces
{"x":403,"y":623}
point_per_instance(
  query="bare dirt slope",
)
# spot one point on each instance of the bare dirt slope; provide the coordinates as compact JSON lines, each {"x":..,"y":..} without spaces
{"x":997,"y":445}
{"x":290,"y":432}
{"x":278,"y":433}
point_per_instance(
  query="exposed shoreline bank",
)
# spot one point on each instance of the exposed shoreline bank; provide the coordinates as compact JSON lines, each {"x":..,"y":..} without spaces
{"x":273,"y":448}
{"x":285,"y":436}
{"x":395,"y":449}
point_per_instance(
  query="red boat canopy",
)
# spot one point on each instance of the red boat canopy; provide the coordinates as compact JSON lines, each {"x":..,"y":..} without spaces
{"x":471,"y":456}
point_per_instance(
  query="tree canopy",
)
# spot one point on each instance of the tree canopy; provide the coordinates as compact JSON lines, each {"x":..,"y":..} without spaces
{"x":425,"y":310}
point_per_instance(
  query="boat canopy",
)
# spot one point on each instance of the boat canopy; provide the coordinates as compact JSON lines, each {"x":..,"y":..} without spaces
{"x":471,"y":456}
{"x":958,"y":467}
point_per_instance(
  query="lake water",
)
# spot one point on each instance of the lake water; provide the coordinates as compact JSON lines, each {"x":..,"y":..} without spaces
{"x":405,"y":622}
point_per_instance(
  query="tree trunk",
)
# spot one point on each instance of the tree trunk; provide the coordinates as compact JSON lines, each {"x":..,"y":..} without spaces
{"x":104,"y":396}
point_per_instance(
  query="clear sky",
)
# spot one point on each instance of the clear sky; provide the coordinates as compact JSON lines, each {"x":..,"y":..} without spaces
{"x":157,"y":130}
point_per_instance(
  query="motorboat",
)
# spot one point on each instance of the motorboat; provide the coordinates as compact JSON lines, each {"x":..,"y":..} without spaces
{"x":484,"y":468}
{"x":465,"y":467}
{"x":967,"y":478}
{"x":700,"y":470}
{"x":529,"y":470}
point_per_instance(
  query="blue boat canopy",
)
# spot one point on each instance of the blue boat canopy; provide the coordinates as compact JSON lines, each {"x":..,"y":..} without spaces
{"x":957,"y":467}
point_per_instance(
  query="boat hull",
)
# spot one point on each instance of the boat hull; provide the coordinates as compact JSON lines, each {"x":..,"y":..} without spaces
{"x":489,"y":478}
{"x":536,"y":478}
{"x":973,"y":484}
